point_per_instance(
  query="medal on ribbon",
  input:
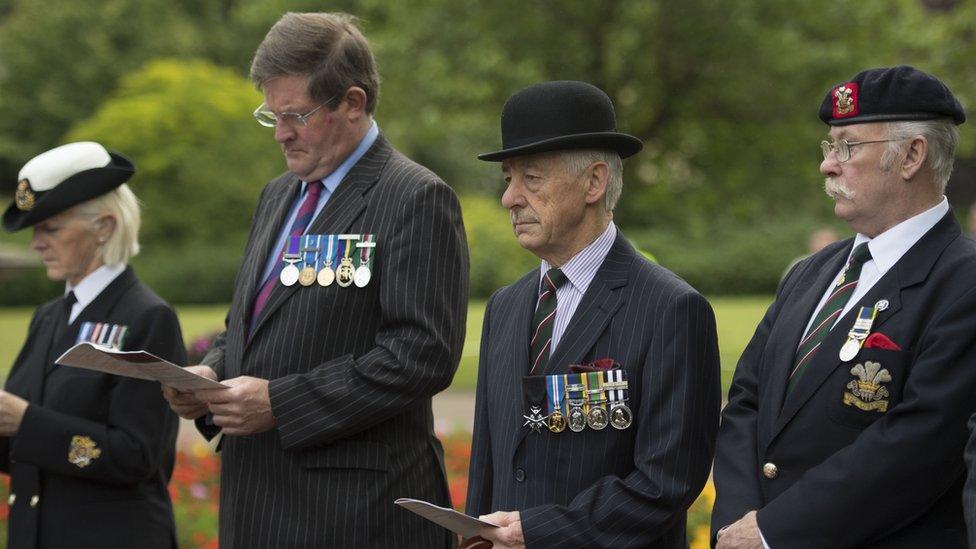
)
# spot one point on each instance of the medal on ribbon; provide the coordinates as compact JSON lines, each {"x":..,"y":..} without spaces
{"x":107,"y":335}
{"x":576,"y":401}
{"x":859,"y":332}
{"x":346,"y":272}
{"x":363,"y":272}
{"x":555,"y":388}
{"x":534,"y":391}
{"x":596,"y":415}
{"x":615,"y":384}
{"x":289,"y":275}
{"x":310,"y":252}
{"x":326,"y":275}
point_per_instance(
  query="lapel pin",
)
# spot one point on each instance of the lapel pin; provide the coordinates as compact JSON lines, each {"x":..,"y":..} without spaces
{"x":881,"y":305}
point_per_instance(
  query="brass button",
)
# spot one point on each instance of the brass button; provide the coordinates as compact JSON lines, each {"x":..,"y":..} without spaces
{"x":11,"y":499}
{"x":770,"y":470}
{"x":35,"y":499}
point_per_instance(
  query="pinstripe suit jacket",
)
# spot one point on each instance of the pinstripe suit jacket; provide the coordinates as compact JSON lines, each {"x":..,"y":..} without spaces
{"x":352,"y":370}
{"x":606,"y":488}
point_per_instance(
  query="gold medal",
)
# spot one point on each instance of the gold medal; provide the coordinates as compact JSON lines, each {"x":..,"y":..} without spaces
{"x":346,"y":272}
{"x":307,"y":276}
{"x":557,"y":422}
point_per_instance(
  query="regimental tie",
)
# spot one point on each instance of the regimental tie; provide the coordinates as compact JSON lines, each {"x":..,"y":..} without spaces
{"x":545,"y":316}
{"x":302,"y":219}
{"x":842,"y":292}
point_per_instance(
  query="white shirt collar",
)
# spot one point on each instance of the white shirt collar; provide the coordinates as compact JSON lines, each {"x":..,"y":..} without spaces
{"x":888,"y":247}
{"x":91,"y":286}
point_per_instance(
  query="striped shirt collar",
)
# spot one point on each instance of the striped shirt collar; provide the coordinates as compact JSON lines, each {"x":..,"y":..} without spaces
{"x":582,"y":267}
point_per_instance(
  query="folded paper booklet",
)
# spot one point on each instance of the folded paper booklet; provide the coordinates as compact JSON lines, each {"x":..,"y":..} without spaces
{"x":454,"y":521}
{"x":137,"y":364}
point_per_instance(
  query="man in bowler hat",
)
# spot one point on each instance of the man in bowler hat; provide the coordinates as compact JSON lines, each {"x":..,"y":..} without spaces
{"x":846,"y":418}
{"x":598,"y":382}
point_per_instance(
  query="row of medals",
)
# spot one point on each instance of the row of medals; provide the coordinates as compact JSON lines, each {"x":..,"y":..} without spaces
{"x":619,"y":415}
{"x":345,"y":275}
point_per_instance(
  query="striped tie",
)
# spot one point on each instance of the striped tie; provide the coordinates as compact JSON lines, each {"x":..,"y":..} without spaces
{"x":302,"y":219}
{"x":545,"y":317}
{"x":828,"y":315}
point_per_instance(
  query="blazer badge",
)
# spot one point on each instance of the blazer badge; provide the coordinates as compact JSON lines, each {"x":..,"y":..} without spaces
{"x":83,"y":451}
{"x":867,"y":392}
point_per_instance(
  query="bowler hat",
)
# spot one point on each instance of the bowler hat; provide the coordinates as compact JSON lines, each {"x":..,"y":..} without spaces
{"x":561,"y":115}
{"x":890,"y":94}
{"x":63,"y":177}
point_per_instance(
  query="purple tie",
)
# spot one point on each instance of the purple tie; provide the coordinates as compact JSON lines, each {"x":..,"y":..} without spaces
{"x":304,"y":217}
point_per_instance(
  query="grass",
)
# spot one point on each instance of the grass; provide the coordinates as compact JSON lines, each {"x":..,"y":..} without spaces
{"x":737,"y":317}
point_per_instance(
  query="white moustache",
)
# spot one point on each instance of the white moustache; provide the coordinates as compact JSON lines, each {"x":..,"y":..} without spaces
{"x":835,"y":189}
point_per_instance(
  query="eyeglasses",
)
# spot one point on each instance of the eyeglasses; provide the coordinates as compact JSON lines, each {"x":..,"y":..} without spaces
{"x":843,"y":147}
{"x":268,"y":118}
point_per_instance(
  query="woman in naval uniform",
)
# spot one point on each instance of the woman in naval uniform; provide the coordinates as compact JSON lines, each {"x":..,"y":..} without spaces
{"x":89,"y":454}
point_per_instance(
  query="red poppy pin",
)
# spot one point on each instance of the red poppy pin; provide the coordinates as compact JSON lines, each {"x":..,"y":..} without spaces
{"x":878,"y":340}
{"x":598,"y":365}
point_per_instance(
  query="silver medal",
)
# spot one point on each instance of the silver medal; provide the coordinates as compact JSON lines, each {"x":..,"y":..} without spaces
{"x":289,"y":275}
{"x":850,"y":349}
{"x":362,"y":276}
{"x":620,"y":416}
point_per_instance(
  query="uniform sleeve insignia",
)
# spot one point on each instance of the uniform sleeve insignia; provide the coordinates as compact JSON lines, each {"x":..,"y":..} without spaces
{"x":24,"y":197}
{"x":83,"y":451}
{"x":867,"y":392}
{"x":845,"y":100}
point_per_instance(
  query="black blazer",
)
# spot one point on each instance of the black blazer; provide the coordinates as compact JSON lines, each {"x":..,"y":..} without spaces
{"x":849,"y":477}
{"x":352,"y":369}
{"x":120,"y":499}
{"x":608,"y":488}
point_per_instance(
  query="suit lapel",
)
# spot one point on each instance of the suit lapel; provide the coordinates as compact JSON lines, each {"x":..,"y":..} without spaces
{"x":793,"y":324}
{"x":99,"y":310}
{"x":523,"y":306}
{"x":283,"y":195}
{"x":590,"y":319}
{"x":595,"y":310}
{"x":913,"y":268}
{"x":342,"y":209}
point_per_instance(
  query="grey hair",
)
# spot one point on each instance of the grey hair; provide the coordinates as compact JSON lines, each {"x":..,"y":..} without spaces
{"x":122,"y":204}
{"x":328,"y":48}
{"x":578,"y":160}
{"x":942,"y":136}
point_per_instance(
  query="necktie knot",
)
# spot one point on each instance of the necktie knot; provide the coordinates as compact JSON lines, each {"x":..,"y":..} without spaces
{"x":69,"y":301}
{"x":554,"y":279}
{"x":860,"y":255}
{"x":315,"y":189}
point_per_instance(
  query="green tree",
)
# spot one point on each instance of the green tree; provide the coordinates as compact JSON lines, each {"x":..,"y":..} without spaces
{"x":201,"y":161}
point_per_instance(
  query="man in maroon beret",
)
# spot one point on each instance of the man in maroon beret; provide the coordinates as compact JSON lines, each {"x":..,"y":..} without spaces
{"x":846,"y":418}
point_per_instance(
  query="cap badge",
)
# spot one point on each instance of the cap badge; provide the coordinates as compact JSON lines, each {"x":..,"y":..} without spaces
{"x":83,"y":451}
{"x":24,"y":197}
{"x":845,"y":100}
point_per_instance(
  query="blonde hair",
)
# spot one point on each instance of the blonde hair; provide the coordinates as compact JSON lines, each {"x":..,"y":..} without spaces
{"x":120,"y":203}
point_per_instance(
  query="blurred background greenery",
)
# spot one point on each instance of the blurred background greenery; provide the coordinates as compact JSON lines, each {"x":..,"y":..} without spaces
{"x":724,"y":95}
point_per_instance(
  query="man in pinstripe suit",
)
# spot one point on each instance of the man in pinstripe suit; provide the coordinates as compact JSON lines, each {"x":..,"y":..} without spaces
{"x":328,"y":416}
{"x":612,"y":487}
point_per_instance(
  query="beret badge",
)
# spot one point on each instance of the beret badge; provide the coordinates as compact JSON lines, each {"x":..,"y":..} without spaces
{"x":25,"y":196}
{"x":845,"y":100}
